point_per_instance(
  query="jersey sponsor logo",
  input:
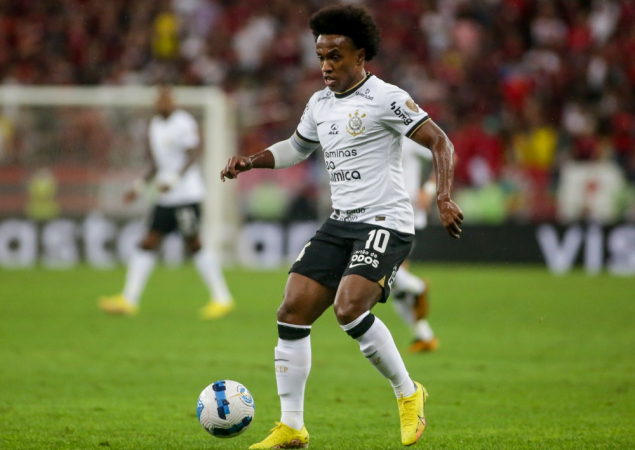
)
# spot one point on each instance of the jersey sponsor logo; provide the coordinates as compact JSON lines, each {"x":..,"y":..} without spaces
{"x":334,"y":129}
{"x":326,"y":96}
{"x":412,"y":105}
{"x":340,"y":153}
{"x":355,"y":125}
{"x":356,"y":211}
{"x":364,"y":94}
{"x":364,"y":258}
{"x":407,"y":120}
{"x":345,"y":175}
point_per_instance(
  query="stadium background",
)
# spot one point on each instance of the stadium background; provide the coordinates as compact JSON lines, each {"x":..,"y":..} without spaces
{"x":537,"y":97}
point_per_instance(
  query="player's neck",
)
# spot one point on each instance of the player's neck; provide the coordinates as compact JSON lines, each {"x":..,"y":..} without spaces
{"x":356,"y":81}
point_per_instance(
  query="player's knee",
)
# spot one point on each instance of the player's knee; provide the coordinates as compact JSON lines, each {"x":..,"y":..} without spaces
{"x":286,"y":314}
{"x":347,"y":312}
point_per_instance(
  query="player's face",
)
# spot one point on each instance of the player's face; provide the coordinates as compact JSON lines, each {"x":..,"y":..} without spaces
{"x":341,"y":62}
{"x":165,"y":103}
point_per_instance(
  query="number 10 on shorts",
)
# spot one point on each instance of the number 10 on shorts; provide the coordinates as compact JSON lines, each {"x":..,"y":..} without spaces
{"x":379,"y":239}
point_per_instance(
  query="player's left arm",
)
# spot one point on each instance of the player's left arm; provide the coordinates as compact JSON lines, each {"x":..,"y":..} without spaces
{"x":431,"y":136}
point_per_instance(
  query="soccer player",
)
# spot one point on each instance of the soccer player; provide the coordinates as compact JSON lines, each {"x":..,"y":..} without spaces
{"x":174,"y":141}
{"x":410,"y":293}
{"x":350,"y":263}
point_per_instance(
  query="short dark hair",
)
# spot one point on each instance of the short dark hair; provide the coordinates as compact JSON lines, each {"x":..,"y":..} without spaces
{"x":351,"y":21}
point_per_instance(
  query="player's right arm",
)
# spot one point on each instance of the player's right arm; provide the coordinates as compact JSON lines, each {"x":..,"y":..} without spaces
{"x":282,"y":154}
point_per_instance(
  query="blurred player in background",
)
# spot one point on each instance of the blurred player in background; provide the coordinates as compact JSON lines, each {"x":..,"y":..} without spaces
{"x":410,"y":293}
{"x":350,"y":263}
{"x":174,"y":151}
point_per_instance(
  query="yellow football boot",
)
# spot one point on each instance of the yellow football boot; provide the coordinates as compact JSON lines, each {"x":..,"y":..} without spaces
{"x":214,"y":310}
{"x":118,"y":305}
{"x":421,"y":346}
{"x":412,"y":416}
{"x":282,"y":436}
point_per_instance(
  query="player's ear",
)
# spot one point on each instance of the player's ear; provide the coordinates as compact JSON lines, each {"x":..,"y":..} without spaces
{"x":361,"y":56}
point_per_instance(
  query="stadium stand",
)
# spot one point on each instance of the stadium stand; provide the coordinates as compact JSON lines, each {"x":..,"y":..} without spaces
{"x":527,"y":89}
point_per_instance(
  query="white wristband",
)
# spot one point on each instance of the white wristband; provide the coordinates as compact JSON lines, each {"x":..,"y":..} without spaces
{"x":430,"y":188}
{"x":172,"y":179}
{"x":138,"y":185}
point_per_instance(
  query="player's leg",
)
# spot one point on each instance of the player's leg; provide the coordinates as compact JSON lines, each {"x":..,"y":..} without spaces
{"x":368,"y":277}
{"x":140,"y":266}
{"x":206,"y":262}
{"x":355,"y":298}
{"x":310,"y":290}
{"x":403,"y":300}
{"x":412,"y":304}
{"x":304,"y":302}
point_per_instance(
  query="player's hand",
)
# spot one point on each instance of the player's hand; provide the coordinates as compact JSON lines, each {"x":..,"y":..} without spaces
{"x":235,"y":165}
{"x":451,"y":217}
{"x":130,"y":196}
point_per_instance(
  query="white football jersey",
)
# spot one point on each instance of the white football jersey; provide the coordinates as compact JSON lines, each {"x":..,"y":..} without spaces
{"x":169,"y":141}
{"x":413,"y":157}
{"x":361,"y":132}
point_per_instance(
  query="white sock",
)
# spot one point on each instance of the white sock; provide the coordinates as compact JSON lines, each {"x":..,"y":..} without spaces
{"x":423,"y":330}
{"x":293,"y":364}
{"x":405,"y":281}
{"x":212,"y":274}
{"x":378,"y":346}
{"x":140,"y":267}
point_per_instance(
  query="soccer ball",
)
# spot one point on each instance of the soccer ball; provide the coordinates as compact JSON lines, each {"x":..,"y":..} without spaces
{"x":225,"y":408}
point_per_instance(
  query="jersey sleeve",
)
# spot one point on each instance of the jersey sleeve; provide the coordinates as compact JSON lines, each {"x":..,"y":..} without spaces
{"x":307,"y":128}
{"x":399,"y":112}
{"x":189,"y":137}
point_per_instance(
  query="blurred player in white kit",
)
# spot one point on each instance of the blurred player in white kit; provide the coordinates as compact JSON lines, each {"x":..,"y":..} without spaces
{"x":410,"y":293}
{"x":174,"y":150}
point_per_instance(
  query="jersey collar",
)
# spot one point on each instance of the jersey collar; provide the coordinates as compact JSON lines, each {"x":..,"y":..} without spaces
{"x":354,"y":88}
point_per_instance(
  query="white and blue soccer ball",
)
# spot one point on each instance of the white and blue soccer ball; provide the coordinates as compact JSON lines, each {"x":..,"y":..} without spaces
{"x":225,"y":408}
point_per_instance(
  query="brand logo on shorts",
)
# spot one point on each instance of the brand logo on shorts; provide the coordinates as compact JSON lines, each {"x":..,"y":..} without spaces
{"x":302,"y":252}
{"x":364,"y":258}
{"x":391,"y":280}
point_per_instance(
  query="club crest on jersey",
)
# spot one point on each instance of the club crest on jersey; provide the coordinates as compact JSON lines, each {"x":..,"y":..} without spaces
{"x":355,"y":125}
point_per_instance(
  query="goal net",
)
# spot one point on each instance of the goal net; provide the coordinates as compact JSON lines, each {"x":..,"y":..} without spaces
{"x":67,"y":154}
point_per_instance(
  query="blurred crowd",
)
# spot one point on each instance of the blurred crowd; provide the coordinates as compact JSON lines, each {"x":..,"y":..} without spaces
{"x":523,"y":87}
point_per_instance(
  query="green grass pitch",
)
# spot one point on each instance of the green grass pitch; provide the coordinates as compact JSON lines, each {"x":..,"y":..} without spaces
{"x":527,"y":361}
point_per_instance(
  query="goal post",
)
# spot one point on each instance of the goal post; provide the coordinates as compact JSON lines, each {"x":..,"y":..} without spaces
{"x":217,"y":124}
